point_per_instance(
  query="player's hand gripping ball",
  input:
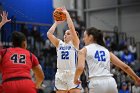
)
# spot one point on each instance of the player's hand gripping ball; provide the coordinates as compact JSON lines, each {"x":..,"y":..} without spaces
{"x":58,"y":15}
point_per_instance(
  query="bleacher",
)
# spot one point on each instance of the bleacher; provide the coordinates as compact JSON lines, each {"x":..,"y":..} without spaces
{"x":116,"y":42}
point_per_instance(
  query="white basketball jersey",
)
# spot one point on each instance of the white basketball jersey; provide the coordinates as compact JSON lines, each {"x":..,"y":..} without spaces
{"x":66,"y":56}
{"x":98,"y":60}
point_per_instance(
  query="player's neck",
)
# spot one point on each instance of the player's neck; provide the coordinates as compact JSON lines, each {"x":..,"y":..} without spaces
{"x":67,"y":42}
{"x":93,"y":42}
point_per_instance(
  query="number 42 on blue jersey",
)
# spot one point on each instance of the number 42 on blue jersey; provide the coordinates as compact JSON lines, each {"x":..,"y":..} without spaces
{"x":100,"y":56}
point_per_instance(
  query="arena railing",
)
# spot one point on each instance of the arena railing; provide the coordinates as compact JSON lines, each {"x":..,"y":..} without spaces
{"x":17,"y":27}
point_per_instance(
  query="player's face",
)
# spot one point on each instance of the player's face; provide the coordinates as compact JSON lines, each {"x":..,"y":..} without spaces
{"x":67,"y":36}
{"x":86,"y":38}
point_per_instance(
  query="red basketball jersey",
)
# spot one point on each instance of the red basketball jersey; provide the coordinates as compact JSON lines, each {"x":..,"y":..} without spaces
{"x":17,"y":62}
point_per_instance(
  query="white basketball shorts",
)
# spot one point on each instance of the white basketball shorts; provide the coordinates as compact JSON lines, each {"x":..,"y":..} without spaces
{"x":64,"y":80}
{"x":102,"y":85}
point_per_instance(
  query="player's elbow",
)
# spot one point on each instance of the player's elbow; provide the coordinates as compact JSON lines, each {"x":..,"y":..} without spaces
{"x":48,"y":33}
{"x":125,"y":67}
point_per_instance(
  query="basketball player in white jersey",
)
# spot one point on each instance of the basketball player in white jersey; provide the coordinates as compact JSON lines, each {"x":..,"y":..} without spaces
{"x":4,"y":19}
{"x":98,"y":59}
{"x":66,"y":57}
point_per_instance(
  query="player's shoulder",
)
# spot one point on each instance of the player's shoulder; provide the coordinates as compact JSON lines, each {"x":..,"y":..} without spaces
{"x":5,"y":50}
{"x":26,"y":51}
{"x":95,"y":46}
{"x":90,"y":45}
{"x":16,"y":49}
{"x":32,"y":54}
{"x":2,"y":51}
{"x":60,"y":42}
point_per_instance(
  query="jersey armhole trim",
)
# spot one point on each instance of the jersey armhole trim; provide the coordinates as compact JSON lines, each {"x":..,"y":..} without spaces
{"x":58,"y":44}
{"x":31,"y":56}
{"x":4,"y":52}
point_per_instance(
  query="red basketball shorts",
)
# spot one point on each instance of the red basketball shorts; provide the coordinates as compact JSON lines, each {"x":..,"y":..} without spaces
{"x":19,"y":86}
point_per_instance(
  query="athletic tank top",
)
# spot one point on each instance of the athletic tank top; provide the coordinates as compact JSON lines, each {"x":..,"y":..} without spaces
{"x":66,"y":56}
{"x":98,"y":60}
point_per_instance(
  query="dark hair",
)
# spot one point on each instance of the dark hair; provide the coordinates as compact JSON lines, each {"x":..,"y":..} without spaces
{"x":97,"y":35}
{"x":18,"y":38}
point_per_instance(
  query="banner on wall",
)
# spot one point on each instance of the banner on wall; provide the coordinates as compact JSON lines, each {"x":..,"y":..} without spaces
{"x":39,"y":11}
{"x":29,"y":11}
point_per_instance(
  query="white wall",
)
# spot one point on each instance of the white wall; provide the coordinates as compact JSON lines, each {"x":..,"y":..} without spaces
{"x":101,"y":3}
{"x":129,"y":17}
{"x":105,"y":20}
{"x":69,"y":4}
{"x":130,"y":21}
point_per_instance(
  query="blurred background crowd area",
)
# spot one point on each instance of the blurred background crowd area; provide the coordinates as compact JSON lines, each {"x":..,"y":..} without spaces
{"x":124,"y":46}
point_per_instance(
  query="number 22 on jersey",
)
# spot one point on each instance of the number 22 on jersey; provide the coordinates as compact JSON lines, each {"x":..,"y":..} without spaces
{"x":65,"y":55}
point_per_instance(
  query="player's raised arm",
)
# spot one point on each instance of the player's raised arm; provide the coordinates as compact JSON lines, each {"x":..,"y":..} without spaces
{"x":4,"y":20}
{"x":50,"y":34}
{"x":75,"y":38}
{"x":116,"y":61}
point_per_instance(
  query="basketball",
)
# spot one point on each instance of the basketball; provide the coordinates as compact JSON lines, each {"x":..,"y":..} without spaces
{"x":58,"y":15}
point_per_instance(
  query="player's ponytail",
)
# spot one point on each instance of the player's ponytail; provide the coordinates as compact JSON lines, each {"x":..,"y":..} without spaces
{"x":97,"y":35}
{"x":18,"y":38}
